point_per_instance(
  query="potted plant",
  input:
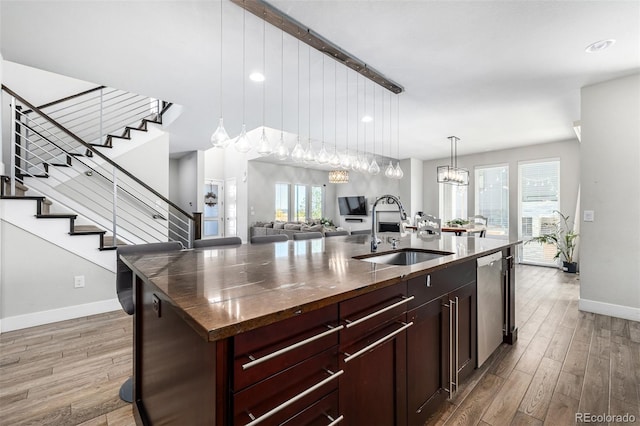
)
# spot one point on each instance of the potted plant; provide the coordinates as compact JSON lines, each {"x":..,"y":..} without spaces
{"x":564,"y":238}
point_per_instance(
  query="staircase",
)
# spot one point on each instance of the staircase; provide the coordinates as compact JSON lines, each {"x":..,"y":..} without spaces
{"x":62,"y":162}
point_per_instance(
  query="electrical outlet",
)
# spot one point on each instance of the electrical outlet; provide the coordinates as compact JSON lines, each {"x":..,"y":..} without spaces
{"x":78,"y":281}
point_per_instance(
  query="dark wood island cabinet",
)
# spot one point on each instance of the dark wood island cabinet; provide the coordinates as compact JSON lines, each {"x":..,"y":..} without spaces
{"x":301,"y":333}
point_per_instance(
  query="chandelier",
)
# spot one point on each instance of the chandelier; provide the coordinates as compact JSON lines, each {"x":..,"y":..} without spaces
{"x":339,"y":176}
{"x":452,"y":174}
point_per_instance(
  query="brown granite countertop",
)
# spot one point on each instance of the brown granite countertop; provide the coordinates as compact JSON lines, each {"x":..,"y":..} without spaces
{"x":223,"y":292}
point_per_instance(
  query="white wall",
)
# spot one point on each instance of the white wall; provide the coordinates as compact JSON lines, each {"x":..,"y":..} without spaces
{"x":567,"y":151}
{"x":411,"y":186}
{"x":610,"y":181}
{"x":37,"y":281}
{"x":184,"y":181}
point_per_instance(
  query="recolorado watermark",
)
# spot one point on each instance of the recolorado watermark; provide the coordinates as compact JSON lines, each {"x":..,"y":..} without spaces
{"x":605,"y":418}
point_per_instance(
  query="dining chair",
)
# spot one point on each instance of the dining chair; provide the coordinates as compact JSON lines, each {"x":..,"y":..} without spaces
{"x":262,"y":239}
{"x":217,"y":242}
{"x":307,"y":235}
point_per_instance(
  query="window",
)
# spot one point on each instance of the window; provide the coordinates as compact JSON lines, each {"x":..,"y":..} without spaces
{"x":304,"y":203}
{"x":317,"y":202}
{"x":453,"y":202}
{"x":492,"y":198}
{"x":538,"y":197}
{"x":300,"y":203}
{"x":282,"y":202}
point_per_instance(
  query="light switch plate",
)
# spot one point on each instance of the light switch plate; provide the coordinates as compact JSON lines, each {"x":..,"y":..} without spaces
{"x":588,"y":216}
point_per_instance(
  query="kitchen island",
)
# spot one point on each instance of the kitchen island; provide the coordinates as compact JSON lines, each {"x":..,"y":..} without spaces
{"x":300,"y":332}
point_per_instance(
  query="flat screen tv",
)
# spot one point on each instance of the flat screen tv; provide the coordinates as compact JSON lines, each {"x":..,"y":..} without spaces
{"x":353,"y":206}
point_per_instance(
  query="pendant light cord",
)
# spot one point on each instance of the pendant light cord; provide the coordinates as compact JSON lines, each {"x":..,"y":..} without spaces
{"x":264,"y":68}
{"x":282,"y":81}
{"x":335,"y":108}
{"x":244,"y":43}
{"x":309,"y":122}
{"x":346,"y":120}
{"x":220,"y":99}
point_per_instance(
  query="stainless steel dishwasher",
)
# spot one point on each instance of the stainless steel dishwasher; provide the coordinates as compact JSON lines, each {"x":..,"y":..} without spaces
{"x":490,"y":305}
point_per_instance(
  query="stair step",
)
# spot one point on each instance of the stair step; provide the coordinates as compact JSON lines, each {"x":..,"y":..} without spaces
{"x":88,"y":228}
{"x":99,"y":145}
{"x":56,"y":216}
{"x":87,"y":232}
{"x":76,"y":154}
{"x":60,"y":165}
{"x":105,"y":248}
{"x":16,"y":197}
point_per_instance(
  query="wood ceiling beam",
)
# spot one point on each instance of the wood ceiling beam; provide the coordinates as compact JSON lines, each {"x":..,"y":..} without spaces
{"x":281,"y":20}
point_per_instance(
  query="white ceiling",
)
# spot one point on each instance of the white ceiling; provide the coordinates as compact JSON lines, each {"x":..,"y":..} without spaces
{"x":497,"y":74}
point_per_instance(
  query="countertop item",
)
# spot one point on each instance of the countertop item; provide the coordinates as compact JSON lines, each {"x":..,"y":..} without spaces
{"x":225,"y":291}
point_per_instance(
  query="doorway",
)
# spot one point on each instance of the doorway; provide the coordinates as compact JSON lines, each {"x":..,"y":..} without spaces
{"x":212,"y":217}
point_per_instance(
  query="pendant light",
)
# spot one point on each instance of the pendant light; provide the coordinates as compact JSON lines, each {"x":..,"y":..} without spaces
{"x":374,"y":169}
{"x":355,"y":165}
{"x":364,"y":161}
{"x":399,"y":173}
{"x":389,"y":171}
{"x":452,"y":174}
{"x":298,"y":152}
{"x":335,"y":158}
{"x":309,"y":153}
{"x":282,"y":152}
{"x":345,"y":161}
{"x":242,"y":142}
{"x":264,"y":146}
{"x":220,"y":138}
{"x":323,"y":156}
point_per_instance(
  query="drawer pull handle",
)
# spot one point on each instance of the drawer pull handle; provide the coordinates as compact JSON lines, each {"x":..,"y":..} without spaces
{"x":336,"y":421}
{"x":365,"y":318}
{"x":377,"y":342}
{"x":295,"y":398}
{"x":291,"y":347}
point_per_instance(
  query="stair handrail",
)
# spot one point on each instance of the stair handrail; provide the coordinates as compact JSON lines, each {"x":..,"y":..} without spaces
{"x":67,"y":98}
{"x":96,"y":152}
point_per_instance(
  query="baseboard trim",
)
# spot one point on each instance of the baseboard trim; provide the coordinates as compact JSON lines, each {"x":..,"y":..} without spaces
{"x":19,"y":322}
{"x":618,"y":311}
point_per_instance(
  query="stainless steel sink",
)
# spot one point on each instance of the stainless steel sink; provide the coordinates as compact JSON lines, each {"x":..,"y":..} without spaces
{"x":403,"y":257}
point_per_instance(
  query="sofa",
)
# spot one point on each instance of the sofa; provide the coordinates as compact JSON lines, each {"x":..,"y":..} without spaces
{"x":287,"y":228}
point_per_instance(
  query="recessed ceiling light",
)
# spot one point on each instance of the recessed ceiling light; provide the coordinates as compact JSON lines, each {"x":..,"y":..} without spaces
{"x":257,"y":76}
{"x":599,"y":46}
{"x":367,"y":119}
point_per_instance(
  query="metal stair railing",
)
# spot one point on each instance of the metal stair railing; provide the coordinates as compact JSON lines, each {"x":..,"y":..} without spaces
{"x":54,"y":162}
{"x":102,"y":111}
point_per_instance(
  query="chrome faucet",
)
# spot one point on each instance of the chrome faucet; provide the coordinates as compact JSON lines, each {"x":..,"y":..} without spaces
{"x":403,"y":216}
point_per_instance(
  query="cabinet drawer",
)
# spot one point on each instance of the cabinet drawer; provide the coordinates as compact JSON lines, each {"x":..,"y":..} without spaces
{"x":267,"y":350}
{"x":431,"y":286}
{"x":290,"y":392}
{"x":322,"y":413}
{"x":367,"y":312}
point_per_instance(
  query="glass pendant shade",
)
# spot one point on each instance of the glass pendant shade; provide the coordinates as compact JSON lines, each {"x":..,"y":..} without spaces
{"x":345,"y":160}
{"x":282,"y":152}
{"x":355,"y":163}
{"x":298,"y":152}
{"x":334,"y":161}
{"x":220,"y":138}
{"x":398,"y":172}
{"x":364,"y":164}
{"x":390,"y":171}
{"x":264,"y":146}
{"x":374,"y":169}
{"x":309,"y":155}
{"x":323,"y":156}
{"x":242,"y":142}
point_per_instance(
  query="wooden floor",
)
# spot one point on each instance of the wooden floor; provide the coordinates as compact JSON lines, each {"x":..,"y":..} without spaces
{"x":565,"y":361}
